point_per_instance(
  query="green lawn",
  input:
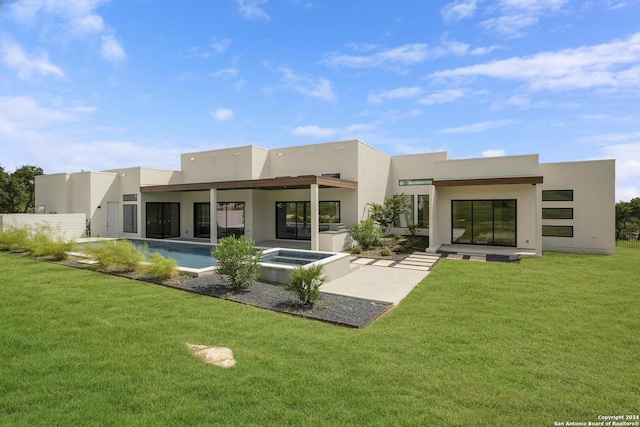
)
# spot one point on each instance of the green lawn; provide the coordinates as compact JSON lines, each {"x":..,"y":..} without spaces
{"x":551,"y":339}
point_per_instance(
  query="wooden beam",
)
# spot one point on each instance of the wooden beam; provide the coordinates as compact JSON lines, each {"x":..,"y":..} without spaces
{"x":267,"y":183}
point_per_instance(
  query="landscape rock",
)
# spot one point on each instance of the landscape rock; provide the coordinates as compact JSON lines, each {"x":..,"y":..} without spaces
{"x":219,"y":356}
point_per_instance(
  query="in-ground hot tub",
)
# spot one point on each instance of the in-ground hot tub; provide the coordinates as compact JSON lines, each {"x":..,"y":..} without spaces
{"x":276,"y":263}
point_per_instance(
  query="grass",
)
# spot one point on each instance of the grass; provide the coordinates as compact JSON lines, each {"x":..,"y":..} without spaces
{"x":551,"y":339}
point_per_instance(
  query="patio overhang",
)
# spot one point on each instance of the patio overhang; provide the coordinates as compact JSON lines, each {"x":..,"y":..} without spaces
{"x":533,"y":180}
{"x":280,"y":183}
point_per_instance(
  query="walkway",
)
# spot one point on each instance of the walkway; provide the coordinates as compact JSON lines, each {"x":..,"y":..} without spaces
{"x":384,"y":281}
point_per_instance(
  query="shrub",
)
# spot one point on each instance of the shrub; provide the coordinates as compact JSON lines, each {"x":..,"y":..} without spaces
{"x":366,"y":233}
{"x":15,"y":238}
{"x":397,"y":248}
{"x":305,"y":282}
{"x":356,"y":250}
{"x":237,"y":262}
{"x":116,"y":254}
{"x":160,"y":267}
{"x":413,"y":229}
{"x":385,"y":252}
{"x":44,"y":242}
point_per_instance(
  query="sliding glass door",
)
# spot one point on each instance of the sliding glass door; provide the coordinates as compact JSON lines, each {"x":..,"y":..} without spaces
{"x":293,"y":219}
{"x":202,"y":220}
{"x":163,"y":220}
{"x":484,"y":222}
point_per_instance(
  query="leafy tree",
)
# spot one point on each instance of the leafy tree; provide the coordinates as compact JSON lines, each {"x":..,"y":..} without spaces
{"x":366,"y":233}
{"x":18,"y":189}
{"x":627,"y":218}
{"x":387,"y":213}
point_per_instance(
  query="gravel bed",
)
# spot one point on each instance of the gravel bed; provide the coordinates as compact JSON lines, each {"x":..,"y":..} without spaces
{"x":340,"y":310}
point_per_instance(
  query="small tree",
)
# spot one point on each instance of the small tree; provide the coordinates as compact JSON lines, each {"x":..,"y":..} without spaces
{"x":237,"y":263}
{"x":387,"y":213}
{"x":366,"y":233}
{"x":305,"y":282}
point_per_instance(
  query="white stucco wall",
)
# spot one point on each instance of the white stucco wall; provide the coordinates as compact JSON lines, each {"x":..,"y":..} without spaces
{"x":66,"y":226}
{"x":593,"y":185}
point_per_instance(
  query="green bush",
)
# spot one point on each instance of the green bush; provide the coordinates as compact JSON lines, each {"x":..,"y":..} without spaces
{"x":160,"y":267}
{"x":366,"y":233}
{"x":116,"y":254}
{"x":356,"y":250}
{"x":385,"y":252}
{"x":44,"y":242}
{"x":413,"y":229}
{"x":237,"y":262}
{"x":305,"y":282}
{"x":15,"y":238}
{"x":397,"y":248}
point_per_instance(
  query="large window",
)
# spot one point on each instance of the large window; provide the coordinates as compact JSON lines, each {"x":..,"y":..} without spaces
{"x":293,"y":219}
{"x":484,"y":222}
{"x":230,"y":219}
{"x":406,"y":218}
{"x":557,"y":195}
{"x":557,"y":230}
{"x":423,"y":211}
{"x":202,"y":220}
{"x":557,"y":213}
{"x":163,"y":220}
{"x":130,"y":215}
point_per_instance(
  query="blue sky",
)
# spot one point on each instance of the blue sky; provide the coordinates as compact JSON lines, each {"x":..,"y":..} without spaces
{"x":99,"y":84}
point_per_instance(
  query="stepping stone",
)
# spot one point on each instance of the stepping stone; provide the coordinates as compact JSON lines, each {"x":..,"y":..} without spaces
{"x":363,"y":261}
{"x":383,"y":262}
{"x":411,"y":267}
{"x":219,"y":356}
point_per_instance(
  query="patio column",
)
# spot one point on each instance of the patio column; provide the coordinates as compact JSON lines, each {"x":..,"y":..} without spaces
{"x":315,"y":222}
{"x":213,"y":215}
{"x":434,"y":242}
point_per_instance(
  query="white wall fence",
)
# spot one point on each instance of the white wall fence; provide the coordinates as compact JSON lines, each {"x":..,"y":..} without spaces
{"x":69,"y":226}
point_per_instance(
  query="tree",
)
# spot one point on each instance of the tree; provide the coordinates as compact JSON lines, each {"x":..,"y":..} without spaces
{"x":18,"y":189}
{"x":387,"y":213}
{"x":627,"y":218}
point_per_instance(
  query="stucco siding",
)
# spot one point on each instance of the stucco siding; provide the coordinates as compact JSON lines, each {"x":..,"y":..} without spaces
{"x":66,"y":226}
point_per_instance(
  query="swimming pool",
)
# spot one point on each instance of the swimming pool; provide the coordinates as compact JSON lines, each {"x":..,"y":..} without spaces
{"x":196,"y":259}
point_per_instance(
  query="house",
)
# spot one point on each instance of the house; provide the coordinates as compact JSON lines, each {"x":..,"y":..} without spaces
{"x":315,"y":192}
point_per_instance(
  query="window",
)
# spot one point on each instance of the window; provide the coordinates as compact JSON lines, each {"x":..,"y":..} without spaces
{"x":230,"y":219}
{"x":163,"y":220}
{"x":130,"y":214}
{"x":406,"y":218}
{"x":557,"y":231}
{"x":557,"y":213}
{"x":293,"y":219}
{"x":484,"y":222}
{"x":332,"y":175}
{"x":419,"y":181}
{"x":202,"y":220}
{"x":423,"y":211}
{"x":557,"y":195}
{"x":129,"y":197}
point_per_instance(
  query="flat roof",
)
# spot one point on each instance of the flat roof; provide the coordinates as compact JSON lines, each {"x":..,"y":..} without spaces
{"x":280,"y":183}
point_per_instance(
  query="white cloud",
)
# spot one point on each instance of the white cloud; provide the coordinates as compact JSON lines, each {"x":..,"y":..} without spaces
{"x":314,"y":131}
{"x":510,"y":25}
{"x":25,"y":65}
{"x":446,"y":96}
{"x":68,"y":18}
{"x":459,"y":9}
{"x":222,"y":114}
{"x":494,"y":153}
{"x":220,"y":46}
{"x":478,"y":127}
{"x":611,"y":65}
{"x":399,"y":93}
{"x":400,"y":56}
{"x":226,"y":73}
{"x":112,"y":50}
{"x":627,"y":168}
{"x":319,"y":87}
{"x":351,"y":131}
{"x":251,"y":9}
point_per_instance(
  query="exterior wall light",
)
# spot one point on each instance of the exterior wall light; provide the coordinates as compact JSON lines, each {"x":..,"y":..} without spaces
{"x":237,"y":153}
{"x":340,"y":147}
{"x":310,"y":150}
{"x":280,"y":154}
{"x":192,"y":158}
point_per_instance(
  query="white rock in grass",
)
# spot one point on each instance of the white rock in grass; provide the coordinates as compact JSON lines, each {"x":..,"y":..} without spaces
{"x":219,"y":356}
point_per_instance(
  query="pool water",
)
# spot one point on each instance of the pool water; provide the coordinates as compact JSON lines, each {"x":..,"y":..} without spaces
{"x":187,"y":254}
{"x":194,"y":255}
